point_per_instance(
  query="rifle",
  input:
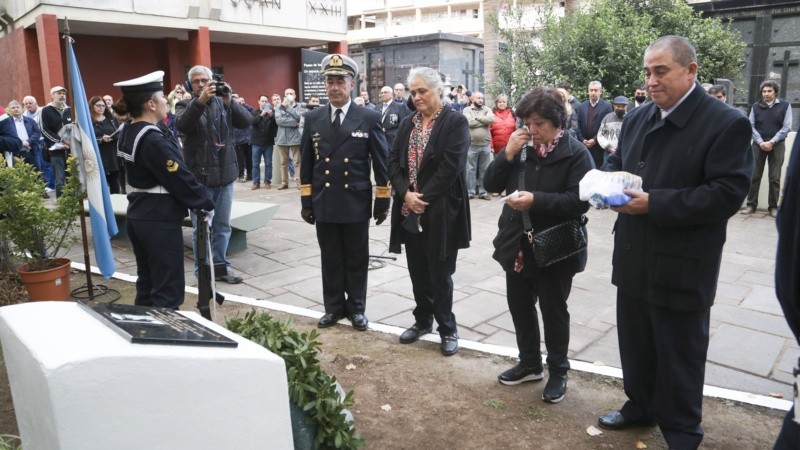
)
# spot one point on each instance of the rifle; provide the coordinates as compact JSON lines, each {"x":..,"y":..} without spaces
{"x":205,"y":289}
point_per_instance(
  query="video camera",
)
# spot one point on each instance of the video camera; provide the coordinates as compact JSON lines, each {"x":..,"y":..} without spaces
{"x":222,"y":88}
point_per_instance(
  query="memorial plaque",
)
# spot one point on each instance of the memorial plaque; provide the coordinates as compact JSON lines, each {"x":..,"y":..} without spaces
{"x":146,"y":325}
{"x":312,"y":80}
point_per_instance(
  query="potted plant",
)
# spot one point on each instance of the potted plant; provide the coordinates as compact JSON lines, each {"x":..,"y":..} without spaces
{"x":39,"y":234}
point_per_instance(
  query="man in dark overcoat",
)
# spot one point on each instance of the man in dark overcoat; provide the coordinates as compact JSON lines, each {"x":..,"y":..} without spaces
{"x":392,"y":113}
{"x":590,"y":115}
{"x":787,"y":283}
{"x":340,"y":144}
{"x":668,"y":239}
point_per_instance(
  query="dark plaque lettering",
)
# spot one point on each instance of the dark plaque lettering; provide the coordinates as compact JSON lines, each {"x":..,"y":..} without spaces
{"x":146,"y":325}
{"x":312,"y":78}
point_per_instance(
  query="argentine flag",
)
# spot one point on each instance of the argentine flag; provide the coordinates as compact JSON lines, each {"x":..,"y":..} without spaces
{"x":84,"y":147}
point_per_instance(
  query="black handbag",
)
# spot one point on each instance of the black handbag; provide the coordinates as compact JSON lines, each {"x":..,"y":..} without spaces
{"x":555,"y":243}
{"x":558,"y":242}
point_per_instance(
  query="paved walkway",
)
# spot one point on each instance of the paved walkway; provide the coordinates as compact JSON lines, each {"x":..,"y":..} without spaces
{"x":751,"y":348}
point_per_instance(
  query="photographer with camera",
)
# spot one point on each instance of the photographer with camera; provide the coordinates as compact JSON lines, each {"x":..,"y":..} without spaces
{"x":207,"y":121}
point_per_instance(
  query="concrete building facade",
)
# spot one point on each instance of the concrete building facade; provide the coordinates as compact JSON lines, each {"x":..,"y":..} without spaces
{"x":254,"y":43}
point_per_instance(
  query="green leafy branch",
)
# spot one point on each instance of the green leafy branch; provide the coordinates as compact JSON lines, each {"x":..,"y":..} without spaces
{"x":310,"y":388}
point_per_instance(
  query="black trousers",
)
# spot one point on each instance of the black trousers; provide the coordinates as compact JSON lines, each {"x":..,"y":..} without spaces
{"x":158,"y":247}
{"x":344,"y":249}
{"x":112,"y":180}
{"x":789,"y":436}
{"x":663,"y":353}
{"x":775,"y":161}
{"x":244,"y":157}
{"x":432,"y":283}
{"x":551,"y":287}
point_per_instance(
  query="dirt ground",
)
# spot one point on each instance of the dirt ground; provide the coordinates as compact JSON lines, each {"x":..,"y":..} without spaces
{"x":410,"y":396}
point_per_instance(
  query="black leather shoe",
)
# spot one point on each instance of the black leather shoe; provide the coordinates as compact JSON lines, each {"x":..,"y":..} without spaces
{"x":614,"y":420}
{"x":413,"y":334}
{"x":329,"y":320}
{"x":449,"y":344}
{"x":520,"y":374}
{"x":555,"y":388}
{"x":359,"y":322}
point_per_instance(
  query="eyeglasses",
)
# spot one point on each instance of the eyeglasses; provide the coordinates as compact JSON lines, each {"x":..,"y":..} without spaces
{"x":99,"y":105}
{"x":200,"y":81}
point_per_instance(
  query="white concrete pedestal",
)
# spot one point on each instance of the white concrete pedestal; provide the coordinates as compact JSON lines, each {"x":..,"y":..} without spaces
{"x":77,"y":384}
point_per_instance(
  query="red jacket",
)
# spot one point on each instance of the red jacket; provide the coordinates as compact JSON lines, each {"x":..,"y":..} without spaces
{"x":504,"y":124}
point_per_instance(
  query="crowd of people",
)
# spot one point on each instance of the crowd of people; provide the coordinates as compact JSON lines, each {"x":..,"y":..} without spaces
{"x":434,"y":150}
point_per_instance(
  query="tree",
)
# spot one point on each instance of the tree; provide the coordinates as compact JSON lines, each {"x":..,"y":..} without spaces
{"x":605,"y":42}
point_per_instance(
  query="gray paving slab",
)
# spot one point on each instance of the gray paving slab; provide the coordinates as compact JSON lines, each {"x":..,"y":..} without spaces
{"x":786,"y":364}
{"x":604,"y":350}
{"x":754,"y":320}
{"x":730,"y":293}
{"x":581,"y":337}
{"x":763,"y":299}
{"x":503,"y":322}
{"x":479,"y":308}
{"x":387,"y":304}
{"x":729,"y":378}
{"x":281,"y":264}
{"x":503,"y":338}
{"x":744,"y":349}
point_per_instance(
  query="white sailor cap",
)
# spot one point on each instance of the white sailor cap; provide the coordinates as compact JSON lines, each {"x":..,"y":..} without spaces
{"x":152,"y":82}
{"x":338,"y":64}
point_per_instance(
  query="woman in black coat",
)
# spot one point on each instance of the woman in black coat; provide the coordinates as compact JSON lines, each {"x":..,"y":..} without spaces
{"x":105,"y":128}
{"x":555,"y":164}
{"x":430,"y":212}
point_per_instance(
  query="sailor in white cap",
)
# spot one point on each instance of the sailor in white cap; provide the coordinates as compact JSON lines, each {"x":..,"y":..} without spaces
{"x":163,"y":189}
{"x":341,"y":144}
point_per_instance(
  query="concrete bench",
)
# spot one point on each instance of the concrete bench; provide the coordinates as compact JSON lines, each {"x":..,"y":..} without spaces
{"x":245,"y":216}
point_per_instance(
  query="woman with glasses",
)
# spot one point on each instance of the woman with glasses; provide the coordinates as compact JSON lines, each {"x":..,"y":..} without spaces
{"x":104,"y":129}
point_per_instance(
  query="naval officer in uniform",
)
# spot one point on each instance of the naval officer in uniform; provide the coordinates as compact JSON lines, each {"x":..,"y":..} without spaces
{"x":163,"y":192}
{"x":339,"y":144}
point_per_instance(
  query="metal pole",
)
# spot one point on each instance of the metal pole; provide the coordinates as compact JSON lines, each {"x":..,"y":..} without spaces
{"x":86,"y":259}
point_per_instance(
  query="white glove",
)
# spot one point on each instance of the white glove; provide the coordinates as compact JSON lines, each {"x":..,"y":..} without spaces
{"x":209,"y":217}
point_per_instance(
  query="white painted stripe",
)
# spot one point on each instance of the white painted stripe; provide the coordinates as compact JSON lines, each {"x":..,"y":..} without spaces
{"x":581,"y":366}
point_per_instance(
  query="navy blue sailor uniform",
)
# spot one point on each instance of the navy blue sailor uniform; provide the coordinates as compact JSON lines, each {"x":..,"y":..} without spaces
{"x":336,"y":186}
{"x":163,"y":191}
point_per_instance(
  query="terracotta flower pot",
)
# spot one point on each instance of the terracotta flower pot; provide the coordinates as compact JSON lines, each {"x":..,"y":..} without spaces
{"x":48,"y":284}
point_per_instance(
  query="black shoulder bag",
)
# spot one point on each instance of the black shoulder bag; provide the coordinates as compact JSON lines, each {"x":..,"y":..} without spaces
{"x":555,"y":243}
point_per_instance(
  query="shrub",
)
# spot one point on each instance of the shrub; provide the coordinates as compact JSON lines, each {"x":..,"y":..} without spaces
{"x":310,"y":388}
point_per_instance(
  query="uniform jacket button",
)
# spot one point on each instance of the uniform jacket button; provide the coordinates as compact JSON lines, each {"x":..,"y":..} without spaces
{"x":327,"y":185}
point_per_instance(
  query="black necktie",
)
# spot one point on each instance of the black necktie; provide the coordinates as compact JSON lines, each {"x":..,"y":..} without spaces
{"x":336,"y":121}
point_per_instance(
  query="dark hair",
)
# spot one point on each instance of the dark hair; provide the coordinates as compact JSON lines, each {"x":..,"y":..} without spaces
{"x":263,"y":95}
{"x":564,"y":85}
{"x":546,"y":102}
{"x":132,"y":104}
{"x":769,"y":83}
{"x":96,"y":99}
{"x":718,"y":89}
{"x":642,"y":87}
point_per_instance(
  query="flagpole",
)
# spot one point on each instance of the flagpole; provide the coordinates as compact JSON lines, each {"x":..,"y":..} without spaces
{"x":84,"y":236}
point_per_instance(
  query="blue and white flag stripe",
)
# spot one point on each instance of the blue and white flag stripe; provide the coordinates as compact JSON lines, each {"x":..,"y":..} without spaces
{"x":84,"y":147}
